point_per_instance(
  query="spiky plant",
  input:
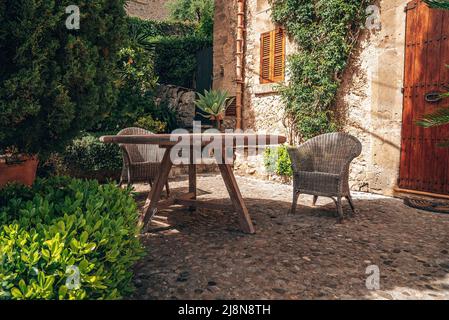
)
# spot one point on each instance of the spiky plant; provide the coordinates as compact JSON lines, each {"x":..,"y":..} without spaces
{"x":438,"y":4}
{"x":214,"y":104}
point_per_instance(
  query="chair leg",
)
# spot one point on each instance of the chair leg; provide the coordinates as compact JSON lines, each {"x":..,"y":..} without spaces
{"x":315,"y":199}
{"x":130,"y":183}
{"x":167,"y":188}
{"x":340,"y":209}
{"x":351,"y":203}
{"x":295,"y":201}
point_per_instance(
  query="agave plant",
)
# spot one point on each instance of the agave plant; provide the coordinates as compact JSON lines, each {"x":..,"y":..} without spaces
{"x":214,"y":104}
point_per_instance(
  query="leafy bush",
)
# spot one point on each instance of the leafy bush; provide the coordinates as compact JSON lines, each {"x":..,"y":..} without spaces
{"x":55,"y":82}
{"x":87,"y":154}
{"x":277,"y":160}
{"x":136,"y":101}
{"x":136,"y":70}
{"x":148,"y":123}
{"x":175,"y":58}
{"x":325,"y":32}
{"x":141,"y":30}
{"x":198,"y":11}
{"x":136,"y":97}
{"x":61,"y":226}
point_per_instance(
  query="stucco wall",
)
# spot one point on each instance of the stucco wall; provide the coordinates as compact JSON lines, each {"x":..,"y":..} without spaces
{"x":224,"y":74}
{"x":371,"y":99}
{"x":148,"y":9}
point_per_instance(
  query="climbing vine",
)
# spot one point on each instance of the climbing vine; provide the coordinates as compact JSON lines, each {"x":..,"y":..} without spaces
{"x":325,"y":32}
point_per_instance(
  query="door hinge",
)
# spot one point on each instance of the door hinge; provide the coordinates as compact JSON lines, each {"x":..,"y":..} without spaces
{"x":402,"y":90}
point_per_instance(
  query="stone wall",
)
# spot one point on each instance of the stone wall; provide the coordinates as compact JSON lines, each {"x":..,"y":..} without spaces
{"x":182,"y":101}
{"x":179,"y":99}
{"x":369,"y":101}
{"x":148,"y":9}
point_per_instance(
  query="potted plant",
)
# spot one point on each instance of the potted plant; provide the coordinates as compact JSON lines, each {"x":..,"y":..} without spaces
{"x":54,"y":81}
{"x":17,"y":167}
{"x":214,"y":104}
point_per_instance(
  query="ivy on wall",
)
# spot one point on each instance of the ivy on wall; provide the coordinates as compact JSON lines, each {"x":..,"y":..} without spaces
{"x":325,"y":32}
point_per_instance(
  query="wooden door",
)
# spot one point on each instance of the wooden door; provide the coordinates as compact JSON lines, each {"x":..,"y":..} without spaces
{"x":424,"y":165}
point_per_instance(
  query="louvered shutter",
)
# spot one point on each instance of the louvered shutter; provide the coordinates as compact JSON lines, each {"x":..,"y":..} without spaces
{"x":278,"y":55}
{"x":265,"y":57}
{"x":272,"y":56}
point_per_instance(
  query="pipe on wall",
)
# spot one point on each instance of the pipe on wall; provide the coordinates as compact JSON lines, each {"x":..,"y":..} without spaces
{"x":240,"y":56}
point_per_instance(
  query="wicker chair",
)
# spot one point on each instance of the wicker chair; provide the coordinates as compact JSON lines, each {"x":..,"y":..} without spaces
{"x":141,"y":163}
{"x":321,"y":168}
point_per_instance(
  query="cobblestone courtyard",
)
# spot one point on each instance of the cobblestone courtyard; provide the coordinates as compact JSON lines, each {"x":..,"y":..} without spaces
{"x":203,"y":255}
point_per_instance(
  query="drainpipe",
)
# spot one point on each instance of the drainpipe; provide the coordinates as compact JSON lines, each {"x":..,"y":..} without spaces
{"x":240,"y":56}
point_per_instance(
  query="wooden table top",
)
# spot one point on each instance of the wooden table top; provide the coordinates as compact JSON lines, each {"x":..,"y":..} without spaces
{"x":237,"y":139}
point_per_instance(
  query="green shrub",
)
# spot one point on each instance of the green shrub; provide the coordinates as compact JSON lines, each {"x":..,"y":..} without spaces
{"x":141,"y":30}
{"x":63,"y":225}
{"x":87,"y":154}
{"x":136,"y":100}
{"x":277,"y":160}
{"x":197,"y":11}
{"x":175,"y":58}
{"x":55,"y":82}
{"x":148,"y":123}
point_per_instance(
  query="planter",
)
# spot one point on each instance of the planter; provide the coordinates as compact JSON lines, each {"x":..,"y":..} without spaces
{"x":22,"y":172}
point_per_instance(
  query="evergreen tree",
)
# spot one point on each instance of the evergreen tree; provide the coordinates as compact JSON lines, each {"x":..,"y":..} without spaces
{"x":56,"y":81}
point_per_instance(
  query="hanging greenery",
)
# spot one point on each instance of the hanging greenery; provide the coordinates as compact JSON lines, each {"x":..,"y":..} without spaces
{"x":325,"y":32}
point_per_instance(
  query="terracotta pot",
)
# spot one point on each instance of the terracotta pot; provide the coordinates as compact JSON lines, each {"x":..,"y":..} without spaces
{"x":23,"y":172}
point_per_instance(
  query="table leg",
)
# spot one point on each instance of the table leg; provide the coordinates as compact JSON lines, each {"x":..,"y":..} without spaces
{"x":192,"y":178}
{"x":158,"y":187}
{"x":236,"y":198}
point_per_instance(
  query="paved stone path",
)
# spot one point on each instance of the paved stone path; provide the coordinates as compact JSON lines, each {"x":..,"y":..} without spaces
{"x":302,"y":256}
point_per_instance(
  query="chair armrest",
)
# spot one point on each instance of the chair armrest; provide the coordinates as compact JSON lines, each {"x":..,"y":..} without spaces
{"x":351,"y":156}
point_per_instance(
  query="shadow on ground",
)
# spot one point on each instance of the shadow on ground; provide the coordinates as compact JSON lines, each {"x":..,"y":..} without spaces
{"x":304,"y":256}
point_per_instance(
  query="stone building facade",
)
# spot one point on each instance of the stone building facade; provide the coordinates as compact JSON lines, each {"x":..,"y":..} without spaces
{"x":148,"y":9}
{"x":370,"y":98}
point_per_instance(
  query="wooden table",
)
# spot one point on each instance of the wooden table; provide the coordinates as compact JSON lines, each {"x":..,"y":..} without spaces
{"x":168,"y":141}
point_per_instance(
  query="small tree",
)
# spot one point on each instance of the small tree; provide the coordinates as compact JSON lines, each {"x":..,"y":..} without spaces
{"x":54,"y":81}
{"x":199,"y":11}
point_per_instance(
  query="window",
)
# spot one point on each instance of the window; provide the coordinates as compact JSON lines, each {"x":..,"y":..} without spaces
{"x":272,"y":56}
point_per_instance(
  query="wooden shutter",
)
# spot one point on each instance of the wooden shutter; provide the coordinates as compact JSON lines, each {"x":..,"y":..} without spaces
{"x":272,"y":56}
{"x":265,"y":57}
{"x":278,"y":55}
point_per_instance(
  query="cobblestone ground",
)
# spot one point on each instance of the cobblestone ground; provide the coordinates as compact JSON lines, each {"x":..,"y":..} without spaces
{"x":302,"y":256}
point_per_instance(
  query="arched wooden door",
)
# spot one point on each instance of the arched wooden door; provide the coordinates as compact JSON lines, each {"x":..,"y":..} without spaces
{"x":424,"y":165}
